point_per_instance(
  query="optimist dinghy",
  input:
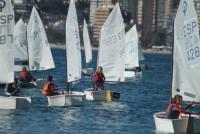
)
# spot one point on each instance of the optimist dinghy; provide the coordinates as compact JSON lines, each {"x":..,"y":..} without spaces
{"x":37,"y":52}
{"x":111,"y":54}
{"x":73,"y":53}
{"x":186,"y":70}
{"x":34,"y":57}
{"x":7,"y":61}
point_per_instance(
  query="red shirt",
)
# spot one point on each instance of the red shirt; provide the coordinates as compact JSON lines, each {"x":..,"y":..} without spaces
{"x":177,"y":108}
{"x":23,"y":74}
{"x":99,"y":77}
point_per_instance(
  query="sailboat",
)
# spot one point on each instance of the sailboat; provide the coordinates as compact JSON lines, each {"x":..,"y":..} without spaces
{"x":186,"y":66}
{"x":73,"y":55}
{"x":132,"y":72}
{"x":37,"y":50}
{"x":88,"y":50}
{"x":7,"y":60}
{"x":20,"y":45}
{"x":111,"y":54}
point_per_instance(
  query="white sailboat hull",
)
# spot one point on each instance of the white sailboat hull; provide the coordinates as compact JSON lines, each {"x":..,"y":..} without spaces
{"x":15,"y":102}
{"x":132,"y":75}
{"x":73,"y":99}
{"x":174,"y":125}
{"x":95,"y":95}
{"x":100,"y":95}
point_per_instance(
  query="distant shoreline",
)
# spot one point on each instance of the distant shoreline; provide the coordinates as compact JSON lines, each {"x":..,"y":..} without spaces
{"x":61,"y":46}
{"x":157,"y":51}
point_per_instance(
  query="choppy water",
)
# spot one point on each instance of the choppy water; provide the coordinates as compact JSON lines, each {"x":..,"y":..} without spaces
{"x":131,"y":115}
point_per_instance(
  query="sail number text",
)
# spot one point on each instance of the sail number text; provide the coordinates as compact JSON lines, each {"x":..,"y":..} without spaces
{"x":191,"y":40}
{"x":189,"y":28}
{"x":6,"y":19}
{"x":6,"y":29}
{"x":193,"y":53}
{"x":4,"y":39}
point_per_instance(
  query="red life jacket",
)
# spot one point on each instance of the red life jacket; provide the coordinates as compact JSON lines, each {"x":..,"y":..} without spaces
{"x":177,"y":108}
{"x":170,"y":106}
{"x":23,"y":74}
{"x":99,"y":77}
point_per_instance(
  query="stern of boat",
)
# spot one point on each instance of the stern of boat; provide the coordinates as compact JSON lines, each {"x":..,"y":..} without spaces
{"x":132,"y":76}
{"x":72,"y":99}
{"x":15,"y":102}
{"x":165,"y":125}
{"x":101,"y":95}
{"x":56,"y":100}
{"x":75,"y":99}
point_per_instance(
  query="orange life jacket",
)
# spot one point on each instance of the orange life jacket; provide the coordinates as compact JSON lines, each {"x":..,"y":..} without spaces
{"x":46,"y":89}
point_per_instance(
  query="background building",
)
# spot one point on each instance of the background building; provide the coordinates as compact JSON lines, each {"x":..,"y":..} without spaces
{"x":154,"y":18}
{"x":163,"y":10}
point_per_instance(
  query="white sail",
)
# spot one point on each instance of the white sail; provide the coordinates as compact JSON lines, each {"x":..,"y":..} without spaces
{"x":73,"y":51}
{"x":6,"y":42}
{"x":87,"y":44}
{"x":132,"y":55}
{"x":140,"y":52}
{"x":40,"y":57}
{"x":20,"y":49}
{"x":186,"y":58}
{"x":112,"y":46}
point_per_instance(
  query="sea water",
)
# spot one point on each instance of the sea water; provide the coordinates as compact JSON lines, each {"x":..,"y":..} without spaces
{"x":133,"y":114}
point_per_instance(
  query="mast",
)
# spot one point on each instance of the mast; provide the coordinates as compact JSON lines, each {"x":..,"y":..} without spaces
{"x":27,"y":50}
{"x":172,"y":58}
{"x":68,"y":84}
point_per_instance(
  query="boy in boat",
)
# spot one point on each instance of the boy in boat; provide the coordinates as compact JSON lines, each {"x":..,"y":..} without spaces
{"x":49,"y":89}
{"x":174,"y":109}
{"x":25,"y":76}
{"x":99,"y":79}
{"x":12,"y":88}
